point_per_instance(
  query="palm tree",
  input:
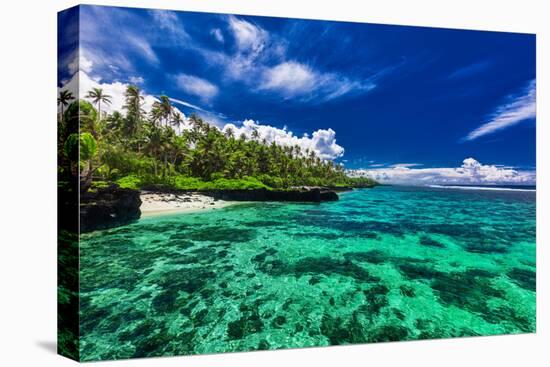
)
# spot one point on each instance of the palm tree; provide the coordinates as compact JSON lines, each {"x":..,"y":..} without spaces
{"x":229,"y":134}
{"x":177,"y":120}
{"x":162,"y":110}
{"x":255,"y":134}
{"x":97,"y":96}
{"x":134,"y":107}
{"x":63,"y":100}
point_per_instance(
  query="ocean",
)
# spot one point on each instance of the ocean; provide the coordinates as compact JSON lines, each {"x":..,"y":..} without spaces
{"x":384,"y":264}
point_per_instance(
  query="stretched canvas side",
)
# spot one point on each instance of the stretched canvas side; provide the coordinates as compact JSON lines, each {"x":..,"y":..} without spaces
{"x":68,"y":186}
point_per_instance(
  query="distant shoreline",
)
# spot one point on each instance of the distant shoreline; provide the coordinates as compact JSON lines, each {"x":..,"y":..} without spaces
{"x":488,"y":188}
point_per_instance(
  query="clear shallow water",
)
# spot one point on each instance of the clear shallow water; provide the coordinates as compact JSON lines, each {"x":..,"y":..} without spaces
{"x":391,"y":263}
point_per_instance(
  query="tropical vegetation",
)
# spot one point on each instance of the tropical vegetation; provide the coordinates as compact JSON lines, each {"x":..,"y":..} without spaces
{"x":136,"y":149}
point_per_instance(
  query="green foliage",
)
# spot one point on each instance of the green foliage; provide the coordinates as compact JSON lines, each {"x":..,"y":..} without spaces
{"x":136,"y":150}
{"x":192,"y":183}
{"x":118,"y":162}
{"x":99,"y":185}
{"x":88,"y":146}
{"x":276,"y":182}
{"x":129,"y":182}
{"x":85,"y":142}
{"x":71,"y":147}
{"x":233,"y":184}
{"x":188,"y":183}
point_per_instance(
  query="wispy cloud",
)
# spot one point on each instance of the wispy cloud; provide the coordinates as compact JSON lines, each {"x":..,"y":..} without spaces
{"x":187,"y":104}
{"x":470,"y":172}
{"x":113,"y":48}
{"x":405,"y":165}
{"x":293,"y":79}
{"x":249,"y":37}
{"x":469,"y":70}
{"x":173,"y":31}
{"x":218,"y":35}
{"x":260,"y":60}
{"x":143,"y":47}
{"x":196,"y":86}
{"x":518,"y":108}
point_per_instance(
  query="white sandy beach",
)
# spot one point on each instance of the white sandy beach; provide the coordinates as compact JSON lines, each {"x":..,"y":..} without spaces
{"x":159,"y":203}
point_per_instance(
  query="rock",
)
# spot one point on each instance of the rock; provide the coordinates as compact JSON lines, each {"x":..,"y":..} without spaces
{"x":328,"y":195}
{"x":109,"y":207}
{"x":302,"y":194}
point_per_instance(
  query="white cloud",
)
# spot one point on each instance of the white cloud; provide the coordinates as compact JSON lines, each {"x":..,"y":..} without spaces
{"x":249,"y":38}
{"x":172,"y":29}
{"x":186,"y":104}
{"x":79,"y":62}
{"x":520,"y":108}
{"x":136,"y":80}
{"x":143,"y":47}
{"x":470,"y":172}
{"x":292,"y":79}
{"x":196,"y":86}
{"x":322,"y":142}
{"x":218,"y":35}
{"x":261,"y":62}
{"x":401,"y":165}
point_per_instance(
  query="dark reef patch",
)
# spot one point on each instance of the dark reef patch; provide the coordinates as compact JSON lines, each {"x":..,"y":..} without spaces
{"x":262,"y":224}
{"x":505,"y":314}
{"x":143,"y":329}
{"x":389,"y":333}
{"x":314,"y":280}
{"x":278,"y":321}
{"x":335,"y":330}
{"x":262,"y":256}
{"x":480,"y":246}
{"x":372,"y":256}
{"x":407,"y":291}
{"x":417,"y":272}
{"x":246,"y":325}
{"x":465,"y":291}
{"x":315,"y":266}
{"x":188,"y":280}
{"x":217,"y":234}
{"x":328,"y":265}
{"x":430,"y":242}
{"x":165,"y":302}
{"x":526,"y":279}
{"x":376,"y":300}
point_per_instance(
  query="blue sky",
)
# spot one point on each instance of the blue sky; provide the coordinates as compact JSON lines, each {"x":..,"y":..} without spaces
{"x":374,"y":97}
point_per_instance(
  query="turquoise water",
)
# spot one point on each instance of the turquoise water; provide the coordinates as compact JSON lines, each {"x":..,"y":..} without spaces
{"x":386,"y":264}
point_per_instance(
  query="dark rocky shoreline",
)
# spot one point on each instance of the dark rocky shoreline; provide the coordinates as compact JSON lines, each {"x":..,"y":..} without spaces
{"x":108,"y":208}
{"x":309,"y":194}
{"x":113,"y":206}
